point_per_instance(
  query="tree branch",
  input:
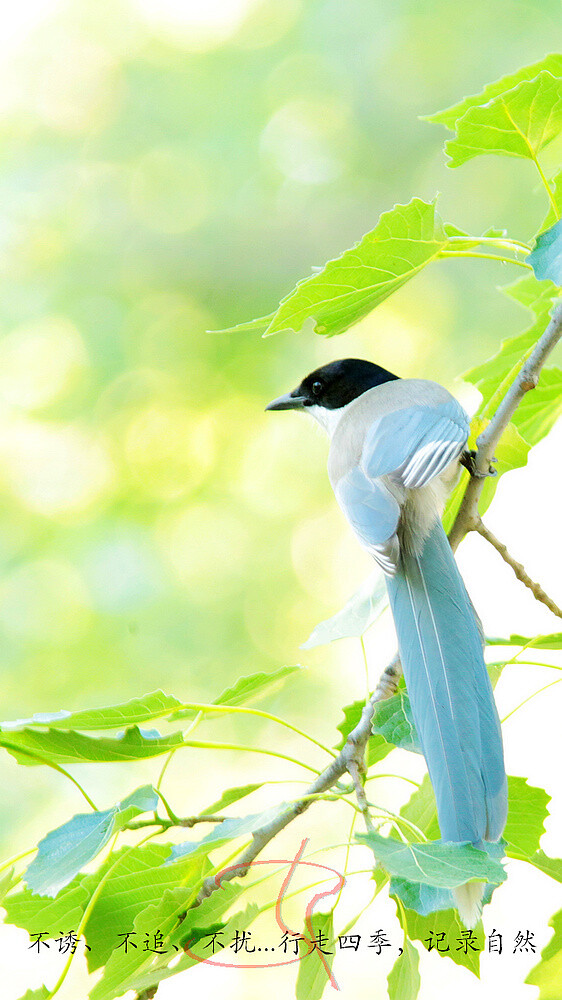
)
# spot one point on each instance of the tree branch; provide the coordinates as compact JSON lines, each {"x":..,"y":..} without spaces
{"x":518,"y":569}
{"x":346,"y":761}
{"x":527,"y":379}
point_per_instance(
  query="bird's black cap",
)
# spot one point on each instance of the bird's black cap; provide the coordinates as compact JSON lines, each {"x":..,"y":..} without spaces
{"x":334,"y":385}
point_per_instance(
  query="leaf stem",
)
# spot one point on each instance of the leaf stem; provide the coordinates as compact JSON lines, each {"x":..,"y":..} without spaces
{"x":56,"y":767}
{"x":485,"y":256}
{"x":237,"y":709}
{"x":502,"y":243}
{"x":533,"y":695}
{"x":91,"y":903}
{"x":206,"y":745}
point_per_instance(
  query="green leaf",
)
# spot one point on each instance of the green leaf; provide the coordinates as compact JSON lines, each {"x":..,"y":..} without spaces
{"x":41,"y":994}
{"x":552,"y":641}
{"x":377,"y":747}
{"x":518,"y":122}
{"x":139,"y":969}
{"x":405,"y":239}
{"x":425,"y":899}
{"x":229,"y":796}
{"x":541,"y":407}
{"x":66,"y":850}
{"x":32,"y":746}
{"x":37,"y":913}
{"x":161,"y":917}
{"x":260,"y":323}
{"x":139,"y":879}
{"x":248,"y":689}
{"x":534,"y":417}
{"x":550,"y":866}
{"x":421,"y":809}
{"x":229,"y":829}
{"x":547,"y":975}
{"x":447,"y":922}
{"x":314,"y":969}
{"x":392,"y":719}
{"x":551,"y":63}
{"x":546,"y":257}
{"x":527,"y":812}
{"x":444,"y":865}
{"x":404,"y":978}
{"x":357,"y":615}
{"x":138,"y":710}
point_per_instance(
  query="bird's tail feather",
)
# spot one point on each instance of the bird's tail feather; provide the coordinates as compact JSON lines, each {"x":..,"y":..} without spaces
{"x":451,"y":697}
{"x":468,"y":900}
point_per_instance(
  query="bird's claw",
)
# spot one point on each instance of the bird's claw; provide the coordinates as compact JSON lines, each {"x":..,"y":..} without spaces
{"x":468,"y":459}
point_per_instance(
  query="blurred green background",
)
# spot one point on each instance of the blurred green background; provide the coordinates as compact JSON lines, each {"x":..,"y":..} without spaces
{"x":169,"y":168}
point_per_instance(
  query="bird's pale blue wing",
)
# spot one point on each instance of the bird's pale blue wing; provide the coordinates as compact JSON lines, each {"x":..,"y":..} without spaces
{"x":373,"y":514}
{"x":415,"y":444}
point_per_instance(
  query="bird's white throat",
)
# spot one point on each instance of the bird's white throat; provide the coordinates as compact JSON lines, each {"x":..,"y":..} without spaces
{"x":328,"y":419}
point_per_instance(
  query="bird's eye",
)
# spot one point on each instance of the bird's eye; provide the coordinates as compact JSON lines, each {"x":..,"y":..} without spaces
{"x":317,"y":388}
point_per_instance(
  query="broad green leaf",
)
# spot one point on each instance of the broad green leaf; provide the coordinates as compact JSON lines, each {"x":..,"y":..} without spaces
{"x":32,"y":746}
{"x":66,"y":850}
{"x":229,"y":829}
{"x":447,"y":922}
{"x":138,"y":710}
{"x":426,"y":899}
{"x":140,"y":969}
{"x":518,"y":122}
{"x":38,"y":913}
{"x":541,"y":407}
{"x":392,"y":719}
{"x":314,"y":969}
{"x":421,"y":809}
{"x":41,"y":994}
{"x":260,"y":323}
{"x":405,"y":239}
{"x":404,"y":978}
{"x":162,"y":918}
{"x":546,"y":257}
{"x":550,"y":866}
{"x":229,"y":796}
{"x":377,"y":747}
{"x":246,"y":690}
{"x":547,"y":975}
{"x":552,"y":641}
{"x":357,"y":615}
{"x":527,"y":812}
{"x":499,"y":371}
{"x":551,"y":63}
{"x":139,"y":879}
{"x":444,"y":865}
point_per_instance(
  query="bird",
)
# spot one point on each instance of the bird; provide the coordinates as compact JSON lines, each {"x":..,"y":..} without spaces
{"x":396,"y":448}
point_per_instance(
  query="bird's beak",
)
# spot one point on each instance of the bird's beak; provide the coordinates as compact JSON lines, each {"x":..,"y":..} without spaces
{"x":290,"y":401}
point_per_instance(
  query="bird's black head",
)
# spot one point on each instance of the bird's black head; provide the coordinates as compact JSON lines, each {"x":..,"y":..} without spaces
{"x":334,"y":385}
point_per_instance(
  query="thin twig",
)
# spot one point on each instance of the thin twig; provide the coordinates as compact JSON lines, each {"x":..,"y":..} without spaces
{"x":518,"y":569}
{"x":526,"y":379}
{"x":345,"y":761}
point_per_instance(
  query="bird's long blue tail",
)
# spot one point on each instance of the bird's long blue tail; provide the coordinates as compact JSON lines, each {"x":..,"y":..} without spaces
{"x":451,"y":696}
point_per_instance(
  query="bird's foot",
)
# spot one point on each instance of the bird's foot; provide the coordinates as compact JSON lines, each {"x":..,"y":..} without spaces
{"x":468,"y":459}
